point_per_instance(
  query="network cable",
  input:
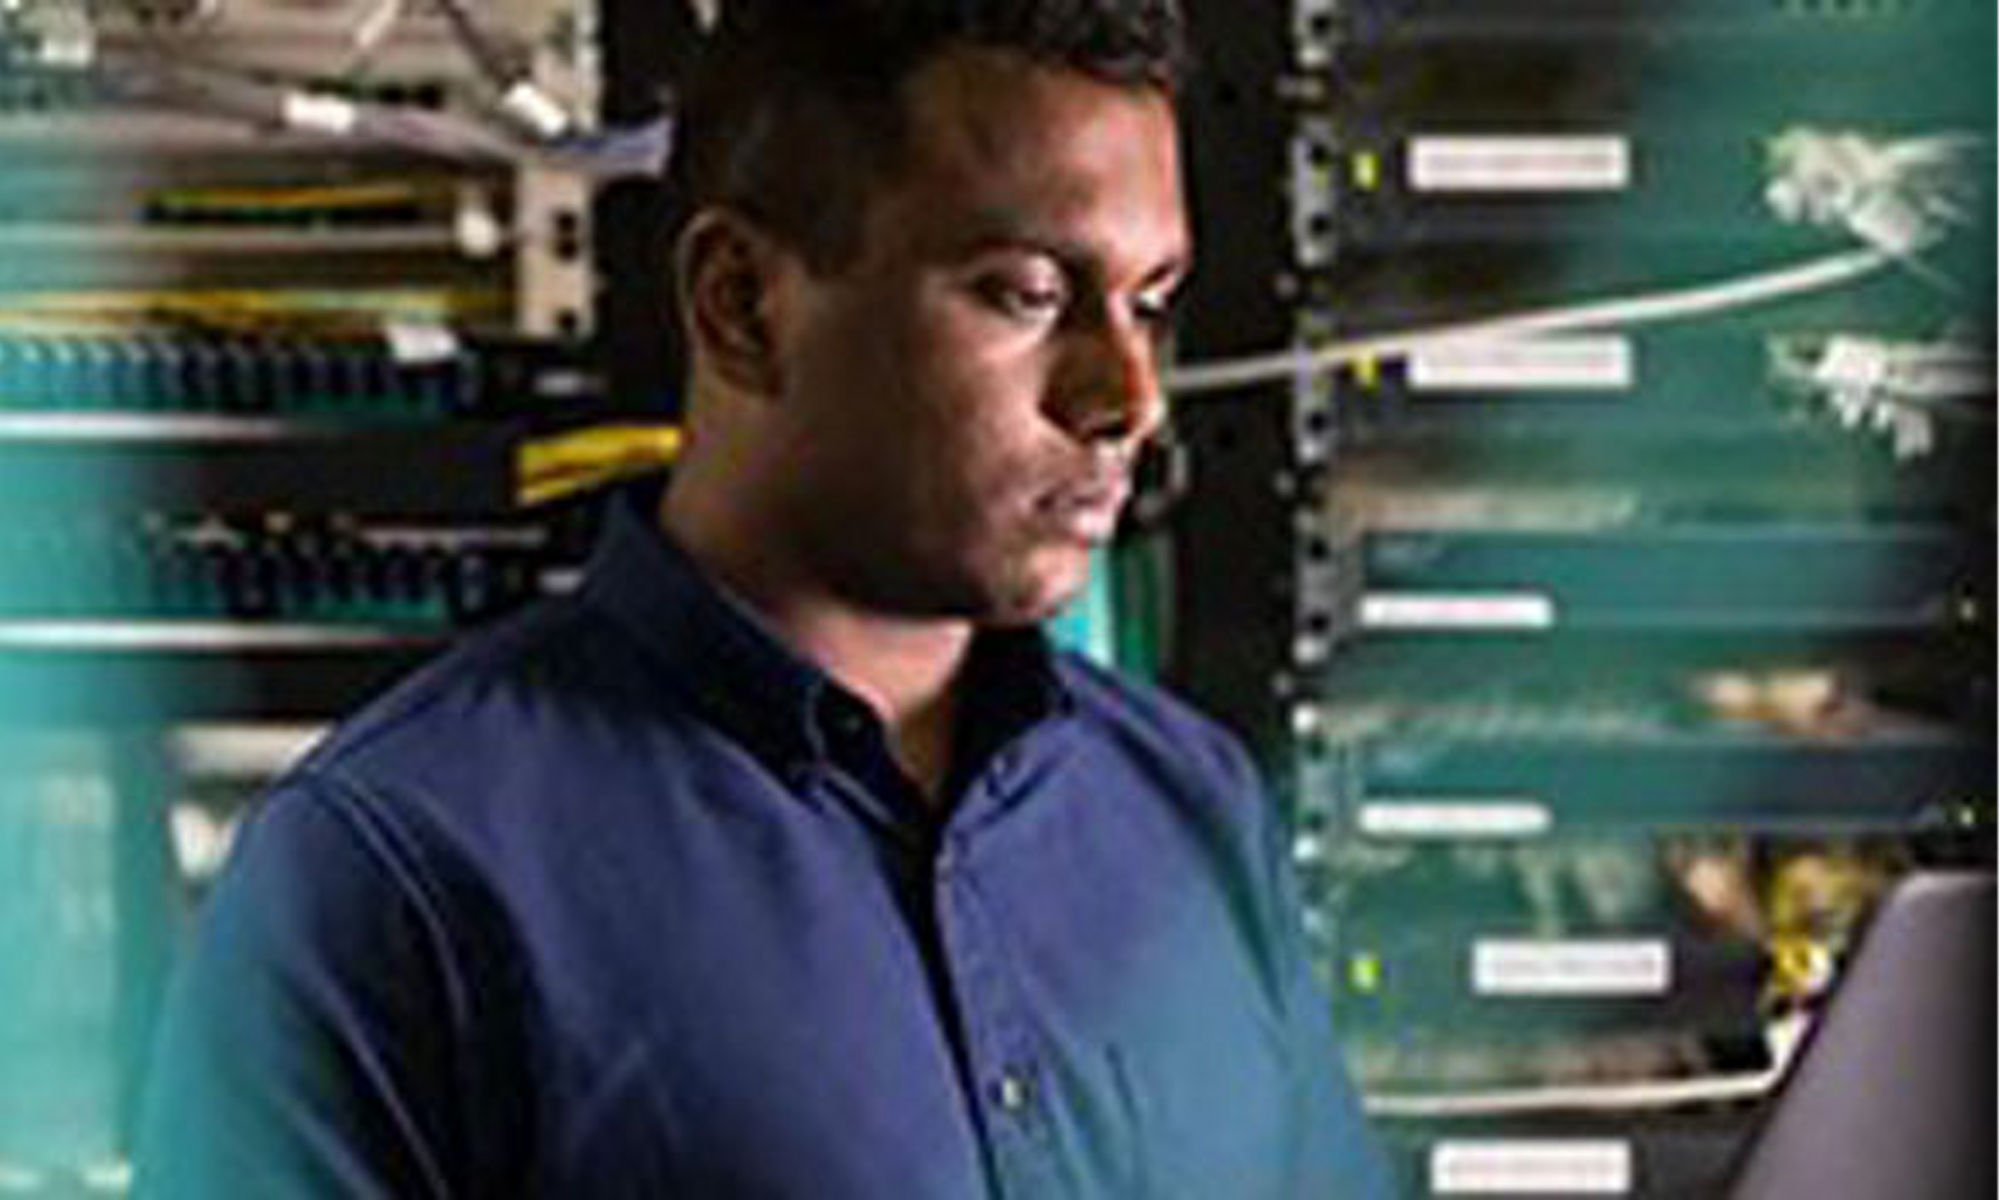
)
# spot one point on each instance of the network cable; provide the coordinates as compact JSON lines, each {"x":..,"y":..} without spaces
{"x":1638,"y":309}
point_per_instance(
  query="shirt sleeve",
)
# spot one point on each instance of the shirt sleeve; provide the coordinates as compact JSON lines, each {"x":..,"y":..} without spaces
{"x":303,"y":1051}
{"x":1337,"y":1154}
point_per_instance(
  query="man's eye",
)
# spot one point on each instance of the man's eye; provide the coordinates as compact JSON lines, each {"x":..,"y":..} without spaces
{"x":1025,"y":300}
{"x":1156,"y":312}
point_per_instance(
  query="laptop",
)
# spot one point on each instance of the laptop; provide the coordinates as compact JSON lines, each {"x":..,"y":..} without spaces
{"x":1892,"y":1096}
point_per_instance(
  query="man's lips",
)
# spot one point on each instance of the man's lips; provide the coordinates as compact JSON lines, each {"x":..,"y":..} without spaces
{"x":1088,"y":509}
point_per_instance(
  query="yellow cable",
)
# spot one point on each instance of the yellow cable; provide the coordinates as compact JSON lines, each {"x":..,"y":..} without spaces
{"x":356,"y":312}
{"x":359,"y":195}
{"x":561,"y":464}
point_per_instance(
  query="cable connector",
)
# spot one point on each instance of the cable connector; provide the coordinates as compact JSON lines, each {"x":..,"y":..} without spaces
{"x":1900,"y":196}
{"x":1897,"y":389}
{"x":534,"y":109}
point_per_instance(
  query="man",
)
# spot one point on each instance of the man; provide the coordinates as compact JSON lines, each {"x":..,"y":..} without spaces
{"x":786,"y":859}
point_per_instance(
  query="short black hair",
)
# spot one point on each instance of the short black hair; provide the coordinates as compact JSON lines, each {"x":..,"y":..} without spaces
{"x":792,"y":108}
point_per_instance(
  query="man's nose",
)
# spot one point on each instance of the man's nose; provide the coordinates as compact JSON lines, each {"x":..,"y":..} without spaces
{"x":1110,"y":389}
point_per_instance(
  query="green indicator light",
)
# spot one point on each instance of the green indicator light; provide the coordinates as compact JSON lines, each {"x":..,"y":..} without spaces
{"x":1364,"y":972}
{"x":1365,"y":168}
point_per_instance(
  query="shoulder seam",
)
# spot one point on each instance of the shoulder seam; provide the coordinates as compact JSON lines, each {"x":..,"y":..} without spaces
{"x":412,"y":705}
{"x":400,"y":865}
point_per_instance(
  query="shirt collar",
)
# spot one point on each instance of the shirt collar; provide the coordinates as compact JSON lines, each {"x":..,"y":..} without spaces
{"x":747,"y":678}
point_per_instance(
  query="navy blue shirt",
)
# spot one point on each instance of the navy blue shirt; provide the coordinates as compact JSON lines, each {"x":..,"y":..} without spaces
{"x":623,"y":897}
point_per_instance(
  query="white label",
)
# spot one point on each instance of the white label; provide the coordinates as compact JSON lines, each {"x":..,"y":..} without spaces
{"x":1519,"y":163}
{"x":109,"y":1176}
{"x":1523,"y":1166}
{"x":321,"y":114}
{"x":69,"y":51}
{"x":201,"y":840}
{"x":240,"y":750}
{"x":415,"y":342}
{"x":1571,"y":967}
{"x":1578,"y":364}
{"x":1454,"y":818}
{"x":1457,"y":610}
{"x":560,"y":580}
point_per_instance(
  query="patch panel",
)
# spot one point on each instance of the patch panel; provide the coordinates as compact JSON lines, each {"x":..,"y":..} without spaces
{"x":1645,"y":77}
{"x":1636,"y":579}
{"x":372,"y":378}
{"x":1509,"y":23}
{"x":275,"y":570}
{"x":1771,"y":383}
{"x":1511,"y":986}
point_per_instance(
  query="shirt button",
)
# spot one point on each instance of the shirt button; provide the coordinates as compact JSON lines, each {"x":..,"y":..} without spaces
{"x":950,"y":856}
{"x":1013,"y":1093}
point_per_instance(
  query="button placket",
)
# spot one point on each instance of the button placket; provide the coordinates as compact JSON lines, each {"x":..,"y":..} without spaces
{"x":1006,"y":1059}
{"x":1002,"y":1079}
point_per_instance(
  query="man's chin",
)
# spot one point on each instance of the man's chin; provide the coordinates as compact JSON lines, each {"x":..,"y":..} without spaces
{"x":1037,"y":596}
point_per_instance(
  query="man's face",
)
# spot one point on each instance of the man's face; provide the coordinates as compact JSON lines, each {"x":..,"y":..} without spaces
{"x":962,"y":399}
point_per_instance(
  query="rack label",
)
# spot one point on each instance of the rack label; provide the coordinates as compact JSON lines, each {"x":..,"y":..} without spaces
{"x":320,"y":113}
{"x":413,"y":343}
{"x":1570,"y":364}
{"x":1571,"y":967}
{"x":1457,"y":610}
{"x":1426,"y":818}
{"x":1518,"y":163}
{"x":1531,"y":1166}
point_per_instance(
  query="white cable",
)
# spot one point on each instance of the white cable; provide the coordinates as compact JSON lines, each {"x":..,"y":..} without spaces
{"x":1784,"y":1036}
{"x":1615,"y":1097}
{"x":630,"y":152}
{"x":1641,"y":309}
{"x":373,"y":27}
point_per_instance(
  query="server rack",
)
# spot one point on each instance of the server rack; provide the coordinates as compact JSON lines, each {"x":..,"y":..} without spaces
{"x":1589,"y":420}
{"x":297,"y":359}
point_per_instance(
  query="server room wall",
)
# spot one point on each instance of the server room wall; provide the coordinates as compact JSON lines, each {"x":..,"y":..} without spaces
{"x":1579,"y":492}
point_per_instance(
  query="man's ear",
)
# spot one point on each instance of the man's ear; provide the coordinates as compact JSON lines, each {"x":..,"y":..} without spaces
{"x":726,"y":278}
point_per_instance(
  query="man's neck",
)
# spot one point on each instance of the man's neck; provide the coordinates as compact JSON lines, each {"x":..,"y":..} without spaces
{"x":905,"y":669}
{"x":907,"y":672}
